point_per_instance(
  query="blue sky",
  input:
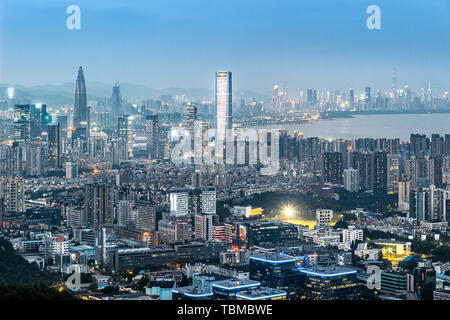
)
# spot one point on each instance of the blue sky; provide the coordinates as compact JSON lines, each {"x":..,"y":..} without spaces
{"x":180,"y":43}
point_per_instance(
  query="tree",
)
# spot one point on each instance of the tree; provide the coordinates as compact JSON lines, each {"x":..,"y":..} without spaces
{"x":341,"y":224}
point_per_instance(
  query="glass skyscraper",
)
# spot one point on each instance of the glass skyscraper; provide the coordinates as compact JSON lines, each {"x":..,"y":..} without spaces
{"x":80,"y":110}
{"x":223,"y":104}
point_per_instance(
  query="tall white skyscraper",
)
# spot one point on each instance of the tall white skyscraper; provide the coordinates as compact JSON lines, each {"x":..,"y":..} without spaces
{"x":223,"y":104}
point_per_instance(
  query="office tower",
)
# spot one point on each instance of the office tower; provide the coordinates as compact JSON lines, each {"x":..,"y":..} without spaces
{"x":35,"y":121}
{"x":196,"y":179}
{"x":71,"y":170}
{"x":124,"y":130}
{"x":379,"y":172}
{"x":330,"y":283}
{"x":13,"y":194}
{"x":54,"y":145}
{"x":404,"y":190}
{"x":276,"y":271}
{"x":191,"y":117}
{"x":203,"y":226}
{"x":332,"y":167}
{"x":437,"y":145}
{"x":45,"y":117}
{"x":223,"y":104}
{"x":39,"y":119}
{"x":146,"y":215}
{"x":152,"y":134}
{"x":22,"y":123}
{"x":98,"y":205}
{"x":80,"y":110}
{"x":116,"y":102}
{"x":351,"y":180}
{"x":258,"y":232}
{"x":393,"y":172}
{"x":324,"y":217}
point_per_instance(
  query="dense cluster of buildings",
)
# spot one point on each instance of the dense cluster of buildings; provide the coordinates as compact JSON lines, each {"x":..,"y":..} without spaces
{"x":94,"y":186}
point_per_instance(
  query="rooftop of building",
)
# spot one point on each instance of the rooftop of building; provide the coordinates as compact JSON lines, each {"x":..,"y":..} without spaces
{"x":327,"y":271}
{"x":193,"y":292}
{"x":261,"y":293}
{"x":232,"y":284}
{"x":271,"y":257}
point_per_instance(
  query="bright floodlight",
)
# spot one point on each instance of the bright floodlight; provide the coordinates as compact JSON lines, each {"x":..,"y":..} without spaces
{"x":288,"y":211}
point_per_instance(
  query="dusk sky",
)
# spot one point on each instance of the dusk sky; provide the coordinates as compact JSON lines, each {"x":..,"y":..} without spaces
{"x":180,"y":43}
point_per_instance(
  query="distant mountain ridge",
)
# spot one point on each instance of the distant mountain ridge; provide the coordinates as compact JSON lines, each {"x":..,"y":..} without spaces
{"x":60,"y":95}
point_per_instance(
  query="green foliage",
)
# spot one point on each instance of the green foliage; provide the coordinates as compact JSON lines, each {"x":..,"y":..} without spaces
{"x":306,"y":204}
{"x":32,"y":292}
{"x":341,"y":224}
{"x":408,"y":265}
{"x":441,"y":253}
{"x":16,"y":270}
{"x":367,"y":294}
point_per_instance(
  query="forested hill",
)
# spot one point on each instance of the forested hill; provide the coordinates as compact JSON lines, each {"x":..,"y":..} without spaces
{"x":20,"y":280}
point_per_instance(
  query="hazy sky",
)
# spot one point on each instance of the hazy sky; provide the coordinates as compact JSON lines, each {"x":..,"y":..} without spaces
{"x":180,"y":43}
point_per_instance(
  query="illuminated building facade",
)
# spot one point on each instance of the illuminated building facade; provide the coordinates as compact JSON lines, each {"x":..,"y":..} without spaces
{"x":276,"y":271}
{"x":329,"y":283}
{"x":22,"y":123}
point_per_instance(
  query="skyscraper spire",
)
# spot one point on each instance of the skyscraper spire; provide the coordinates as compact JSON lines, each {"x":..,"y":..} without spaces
{"x":80,"y":112}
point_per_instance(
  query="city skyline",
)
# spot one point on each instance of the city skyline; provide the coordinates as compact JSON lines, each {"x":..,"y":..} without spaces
{"x":300,"y":151}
